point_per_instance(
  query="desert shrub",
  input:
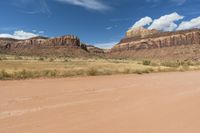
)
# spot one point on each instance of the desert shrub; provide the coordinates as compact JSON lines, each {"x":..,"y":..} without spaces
{"x":24,"y":74}
{"x":178,"y":63}
{"x":4,"y":58}
{"x":51,"y":60}
{"x":197,"y":63}
{"x":107,"y":72}
{"x":148,"y":70}
{"x":170,"y":64}
{"x":49,"y":73}
{"x":41,"y":59}
{"x":4,"y":74}
{"x":146,"y":62}
{"x":54,"y":73}
{"x":66,"y":60}
{"x":92,"y":71}
{"x":73,"y":73}
{"x":185,"y":67}
{"x":18,"y":58}
{"x":190,"y":63}
{"x":154,"y":64}
{"x":127,"y":71}
{"x":46,"y":73}
{"x":78,"y":72}
{"x":138,"y":71}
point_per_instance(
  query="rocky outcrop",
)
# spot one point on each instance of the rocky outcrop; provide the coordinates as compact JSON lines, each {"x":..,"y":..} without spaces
{"x":158,"y":40}
{"x":68,"y":45}
{"x":139,"y":32}
{"x":69,"y":41}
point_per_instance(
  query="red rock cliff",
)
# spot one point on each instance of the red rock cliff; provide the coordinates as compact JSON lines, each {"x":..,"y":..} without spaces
{"x":158,"y":40}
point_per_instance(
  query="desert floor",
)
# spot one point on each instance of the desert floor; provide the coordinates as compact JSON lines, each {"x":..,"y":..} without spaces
{"x":150,"y":103}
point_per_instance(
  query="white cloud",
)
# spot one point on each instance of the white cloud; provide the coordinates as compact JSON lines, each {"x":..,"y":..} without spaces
{"x":88,"y":4}
{"x":142,"y":22}
{"x":19,"y":35}
{"x":166,"y":22}
{"x":176,"y":2}
{"x":179,"y":2}
{"x":41,"y":32}
{"x":34,"y":31}
{"x":32,"y":6}
{"x":106,"y":45}
{"x":194,"y":23}
{"x":109,"y":28}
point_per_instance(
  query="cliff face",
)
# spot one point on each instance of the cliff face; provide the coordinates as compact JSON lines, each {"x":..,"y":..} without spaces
{"x":61,"y":46}
{"x":40,"y":42}
{"x":159,"y":40}
{"x":159,"y":45}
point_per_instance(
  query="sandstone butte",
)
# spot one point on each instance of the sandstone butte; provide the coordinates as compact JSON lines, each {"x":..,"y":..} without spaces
{"x":68,"y":45}
{"x":143,"y":43}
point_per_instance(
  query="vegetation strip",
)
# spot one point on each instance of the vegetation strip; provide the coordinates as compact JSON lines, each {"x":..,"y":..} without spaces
{"x":25,"y":67}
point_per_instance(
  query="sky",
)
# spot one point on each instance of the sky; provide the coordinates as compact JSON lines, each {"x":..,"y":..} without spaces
{"x":99,"y":22}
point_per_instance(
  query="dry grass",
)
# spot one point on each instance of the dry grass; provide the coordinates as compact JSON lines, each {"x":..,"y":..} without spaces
{"x":19,"y":67}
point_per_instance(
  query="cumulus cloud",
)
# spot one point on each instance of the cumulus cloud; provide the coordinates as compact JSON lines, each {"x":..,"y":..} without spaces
{"x":19,"y":35}
{"x":194,"y":23}
{"x":142,"y":22}
{"x":88,"y":4}
{"x":166,"y":22}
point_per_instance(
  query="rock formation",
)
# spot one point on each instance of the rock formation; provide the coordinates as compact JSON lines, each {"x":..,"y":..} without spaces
{"x":139,"y":32}
{"x":68,"y":45}
{"x":139,"y":40}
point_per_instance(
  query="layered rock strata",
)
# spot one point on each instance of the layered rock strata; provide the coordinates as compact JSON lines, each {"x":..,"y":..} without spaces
{"x":158,"y":40}
{"x":68,"y":45}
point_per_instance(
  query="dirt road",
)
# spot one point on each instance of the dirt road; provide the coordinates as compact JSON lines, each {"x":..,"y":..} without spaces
{"x":153,"y":103}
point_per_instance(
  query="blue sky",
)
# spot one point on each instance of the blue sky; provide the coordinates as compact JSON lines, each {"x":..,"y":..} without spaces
{"x":99,"y":22}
